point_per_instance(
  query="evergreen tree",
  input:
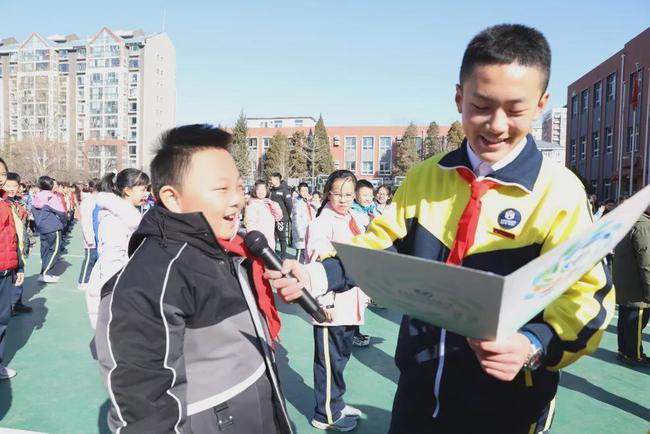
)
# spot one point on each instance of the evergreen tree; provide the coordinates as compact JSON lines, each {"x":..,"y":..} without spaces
{"x":324,"y":163}
{"x":239,"y":148}
{"x":406,"y":154}
{"x":298,"y":158}
{"x":433,"y":143}
{"x":277,"y":156}
{"x":455,"y":135}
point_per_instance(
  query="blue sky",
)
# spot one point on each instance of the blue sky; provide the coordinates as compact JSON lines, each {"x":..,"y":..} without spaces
{"x":358,"y":62}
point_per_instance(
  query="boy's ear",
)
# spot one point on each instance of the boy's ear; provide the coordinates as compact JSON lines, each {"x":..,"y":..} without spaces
{"x":170,"y":198}
{"x":459,"y":98}
{"x":541,"y":105}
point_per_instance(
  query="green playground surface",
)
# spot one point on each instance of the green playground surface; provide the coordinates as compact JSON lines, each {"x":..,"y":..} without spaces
{"x":58,"y":388}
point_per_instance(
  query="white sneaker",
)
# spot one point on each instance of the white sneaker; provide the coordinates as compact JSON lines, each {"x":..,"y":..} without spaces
{"x":343,"y":424}
{"x":350,"y":411}
{"x":46,"y":278}
{"x":6,"y":373}
{"x":361,"y":341}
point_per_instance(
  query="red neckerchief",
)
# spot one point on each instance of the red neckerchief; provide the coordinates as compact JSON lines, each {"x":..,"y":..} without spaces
{"x":353,"y":227}
{"x":469,"y":220}
{"x":262,"y":287}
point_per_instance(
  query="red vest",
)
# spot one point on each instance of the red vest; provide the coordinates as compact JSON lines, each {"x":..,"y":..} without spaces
{"x":8,"y":239}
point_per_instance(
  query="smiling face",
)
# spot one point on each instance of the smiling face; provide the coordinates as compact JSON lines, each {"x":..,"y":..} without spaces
{"x":365,"y":196}
{"x":211,"y":185}
{"x":499,"y":104}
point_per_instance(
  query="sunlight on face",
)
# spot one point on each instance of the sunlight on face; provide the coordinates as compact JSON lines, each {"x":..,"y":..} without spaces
{"x":342,"y":195}
{"x":499,"y":104}
{"x":212,"y":186}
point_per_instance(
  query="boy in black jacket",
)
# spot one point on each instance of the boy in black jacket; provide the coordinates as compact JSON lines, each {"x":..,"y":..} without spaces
{"x":185,"y":330}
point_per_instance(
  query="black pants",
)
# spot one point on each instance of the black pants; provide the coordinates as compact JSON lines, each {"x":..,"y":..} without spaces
{"x":631,"y":322}
{"x":332,"y":350}
{"x":50,"y":247}
{"x":7,"y":279}
{"x":414,"y":406}
{"x":87,"y":266}
{"x":282,"y":235}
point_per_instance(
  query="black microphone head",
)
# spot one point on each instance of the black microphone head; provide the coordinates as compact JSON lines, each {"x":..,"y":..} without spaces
{"x":255,"y":242}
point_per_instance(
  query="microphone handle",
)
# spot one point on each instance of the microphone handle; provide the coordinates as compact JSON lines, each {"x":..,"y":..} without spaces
{"x":306,"y":300}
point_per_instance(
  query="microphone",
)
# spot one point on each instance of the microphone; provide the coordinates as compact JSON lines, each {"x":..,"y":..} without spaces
{"x":256,"y":243}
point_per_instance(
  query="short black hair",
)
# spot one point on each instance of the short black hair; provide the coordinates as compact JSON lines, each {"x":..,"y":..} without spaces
{"x":177,"y":146}
{"x":46,"y":183}
{"x":363,"y":183}
{"x":302,"y":184}
{"x":13,"y":176}
{"x":277,"y":175}
{"x":504,"y":44}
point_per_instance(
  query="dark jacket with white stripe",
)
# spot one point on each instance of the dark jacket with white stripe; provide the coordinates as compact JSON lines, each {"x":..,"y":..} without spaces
{"x":181,"y":341}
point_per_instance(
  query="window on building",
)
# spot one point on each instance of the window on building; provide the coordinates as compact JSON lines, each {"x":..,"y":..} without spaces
{"x":277,"y":123}
{"x":385,"y":155}
{"x":252,"y":145}
{"x":574,"y":106}
{"x":594,"y":186}
{"x":351,"y":153}
{"x":133,"y":107}
{"x":597,"y":93}
{"x":110,"y":107}
{"x":134,"y":63}
{"x":133,"y":120}
{"x":609,"y":140}
{"x":64,"y":68}
{"x":611,"y":87}
{"x":573,"y":150}
{"x":583,"y":147}
{"x":584,"y":97}
{"x":607,"y":189}
{"x":81,"y":66}
{"x":298,"y":122}
{"x":368,"y":156}
{"x":133,"y":135}
{"x":595,"y":144}
{"x":632,"y":139}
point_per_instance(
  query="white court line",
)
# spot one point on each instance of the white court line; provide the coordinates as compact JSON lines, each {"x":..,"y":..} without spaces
{"x":17,"y":431}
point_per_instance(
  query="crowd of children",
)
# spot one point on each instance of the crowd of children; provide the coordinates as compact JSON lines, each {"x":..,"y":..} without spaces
{"x":185,"y":316}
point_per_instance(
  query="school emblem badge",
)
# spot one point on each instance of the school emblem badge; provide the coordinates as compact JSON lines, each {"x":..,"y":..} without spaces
{"x":509,"y":218}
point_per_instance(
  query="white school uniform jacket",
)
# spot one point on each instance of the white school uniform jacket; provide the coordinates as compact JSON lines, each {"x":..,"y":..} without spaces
{"x":349,"y":306}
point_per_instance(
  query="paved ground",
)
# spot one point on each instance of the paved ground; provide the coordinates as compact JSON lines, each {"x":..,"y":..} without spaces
{"x":58,"y":388}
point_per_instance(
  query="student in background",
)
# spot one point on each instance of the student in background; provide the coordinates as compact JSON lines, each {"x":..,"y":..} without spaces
{"x":382,"y":199}
{"x":118,"y":218}
{"x":21,"y":218}
{"x":262,"y":213}
{"x":345,"y":311}
{"x":281,"y":194}
{"x":316,"y":199}
{"x":11,"y":270}
{"x":301,"y":215}
{"x":632,"y":282}
{"x":86,"y":209}
{"x":50,"y":218}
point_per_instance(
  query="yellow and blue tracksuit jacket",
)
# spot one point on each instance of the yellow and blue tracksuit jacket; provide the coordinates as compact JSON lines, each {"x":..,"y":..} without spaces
{"x":538,"y":205}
